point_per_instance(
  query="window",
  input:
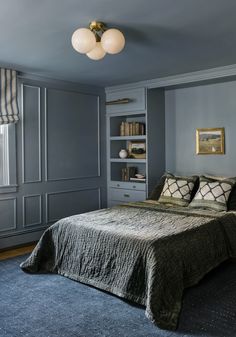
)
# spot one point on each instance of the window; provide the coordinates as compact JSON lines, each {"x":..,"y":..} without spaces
{"x":9,"y":115}
{"x":7,"y":158}
{"x":4,"y":156}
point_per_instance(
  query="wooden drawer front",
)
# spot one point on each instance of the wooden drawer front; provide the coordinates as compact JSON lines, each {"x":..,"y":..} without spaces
{"x":128,"y":185}
{"x":137,"y":97}
{"x":126,"y":195}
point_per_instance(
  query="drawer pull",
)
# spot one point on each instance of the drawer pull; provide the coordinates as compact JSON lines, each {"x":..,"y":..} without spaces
{"x":126,"y":195}
{"x":134,"y":186}
{"x":118,"y":185}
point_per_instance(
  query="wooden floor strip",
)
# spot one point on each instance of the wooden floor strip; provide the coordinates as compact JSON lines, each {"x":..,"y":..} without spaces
{"x":16,"y":252}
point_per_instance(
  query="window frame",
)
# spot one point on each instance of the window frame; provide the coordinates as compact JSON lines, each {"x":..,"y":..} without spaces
{"x":12,"y":186}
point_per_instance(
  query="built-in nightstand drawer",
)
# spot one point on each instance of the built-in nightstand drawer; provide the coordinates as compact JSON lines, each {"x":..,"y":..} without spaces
{"x":128,"y":185}
{"x":124,"y":195}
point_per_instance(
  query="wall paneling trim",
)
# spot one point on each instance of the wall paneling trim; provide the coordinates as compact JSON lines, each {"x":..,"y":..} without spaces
{"x":80,"y":158}
{"x":31,"y":133}
{"x":32,"y":210}
{"x":8,"y":214}
{"x":61,"y":204}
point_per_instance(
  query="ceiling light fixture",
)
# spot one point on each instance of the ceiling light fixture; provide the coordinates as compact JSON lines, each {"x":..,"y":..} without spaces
{"x":97,"y":40}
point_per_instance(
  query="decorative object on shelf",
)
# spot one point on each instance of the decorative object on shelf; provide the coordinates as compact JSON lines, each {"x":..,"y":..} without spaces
{"x":137,"y":149}
{"x":119,"y":101}
{"x":210,"y":141}
{"x":123,"y":153}
{"x":132,"y":129}
{"x":128,"y":172}
{"x":139,"y":176}
{"x":97,"y":40}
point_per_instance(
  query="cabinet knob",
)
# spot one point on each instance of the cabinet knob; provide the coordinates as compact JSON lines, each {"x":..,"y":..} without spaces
{"x":118,"y":185}
{"x":126,"y":195}
{"x":134,"y":186}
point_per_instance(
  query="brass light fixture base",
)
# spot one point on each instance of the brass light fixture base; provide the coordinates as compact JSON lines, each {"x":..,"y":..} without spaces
{"x":97,"y":26}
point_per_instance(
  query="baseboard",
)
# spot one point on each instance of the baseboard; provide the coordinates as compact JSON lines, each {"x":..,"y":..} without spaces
{"x":19,"y":240}
{"x":23,"y":245}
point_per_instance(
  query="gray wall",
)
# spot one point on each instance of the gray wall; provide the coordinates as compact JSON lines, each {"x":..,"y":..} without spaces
{"x":204,"y":106}
{"x":60,"y":158}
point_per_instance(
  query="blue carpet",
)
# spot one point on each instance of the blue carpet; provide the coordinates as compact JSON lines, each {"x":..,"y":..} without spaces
{"x":53,"y":306}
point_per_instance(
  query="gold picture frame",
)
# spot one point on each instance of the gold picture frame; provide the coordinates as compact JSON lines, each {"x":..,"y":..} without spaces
{"x":137,"y":149}
{"x":210,"y":141}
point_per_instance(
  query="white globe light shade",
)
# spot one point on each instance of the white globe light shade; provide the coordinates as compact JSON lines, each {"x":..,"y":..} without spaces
{"x":97,"y":53}
{"x":83,"y":40}
{"x":113,"y":41}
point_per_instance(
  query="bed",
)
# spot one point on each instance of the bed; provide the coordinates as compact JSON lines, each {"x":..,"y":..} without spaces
{"x":145,"y":252}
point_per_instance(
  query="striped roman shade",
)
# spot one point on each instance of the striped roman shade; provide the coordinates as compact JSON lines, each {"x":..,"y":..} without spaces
{"x":9,"y":111}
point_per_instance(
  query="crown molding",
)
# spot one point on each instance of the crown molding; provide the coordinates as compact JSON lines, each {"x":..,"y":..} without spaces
{"x":58,"y":83}
{"x":192,"y":77}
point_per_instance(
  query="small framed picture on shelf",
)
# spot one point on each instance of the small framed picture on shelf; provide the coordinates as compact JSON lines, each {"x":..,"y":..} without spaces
{"x":137,"y":149}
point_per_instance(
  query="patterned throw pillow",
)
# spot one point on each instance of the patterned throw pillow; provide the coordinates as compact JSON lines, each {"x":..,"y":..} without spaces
{"x":231,"y":204}
{"x":177,"y":190}
{"x":213,"y":194}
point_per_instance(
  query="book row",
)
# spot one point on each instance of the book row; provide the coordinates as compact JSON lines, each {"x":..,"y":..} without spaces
{"x":132,"y":129}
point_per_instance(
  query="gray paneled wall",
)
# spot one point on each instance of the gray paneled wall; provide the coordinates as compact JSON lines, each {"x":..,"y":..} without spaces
{"x":60,"y":158}
{"x":64,"y":203}
{"x":32,"y":210}
{"x":203,"y":106}
{"x":79,"y":156}
{"x":8,"y":214}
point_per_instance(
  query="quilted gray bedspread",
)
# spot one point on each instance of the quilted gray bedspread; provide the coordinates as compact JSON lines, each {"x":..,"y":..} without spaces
{"x":143,"y":252}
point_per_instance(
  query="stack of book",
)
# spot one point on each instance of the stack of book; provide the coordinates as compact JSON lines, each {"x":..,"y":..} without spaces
{"x":132,"y":129}
{"x":127,"y":173}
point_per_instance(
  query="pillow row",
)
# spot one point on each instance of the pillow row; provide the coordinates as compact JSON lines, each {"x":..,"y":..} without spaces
{"x":198,"y":192}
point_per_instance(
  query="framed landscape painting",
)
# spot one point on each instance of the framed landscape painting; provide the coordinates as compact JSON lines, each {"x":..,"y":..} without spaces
{"x":210,"y":141}
{"x":137,"y":149}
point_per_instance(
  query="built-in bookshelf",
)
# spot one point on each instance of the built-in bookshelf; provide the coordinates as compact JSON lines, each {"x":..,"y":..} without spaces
{"x":141,"y":133}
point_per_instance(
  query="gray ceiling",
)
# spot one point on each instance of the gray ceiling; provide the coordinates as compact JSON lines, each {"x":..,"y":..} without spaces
{"x":163,"y":37}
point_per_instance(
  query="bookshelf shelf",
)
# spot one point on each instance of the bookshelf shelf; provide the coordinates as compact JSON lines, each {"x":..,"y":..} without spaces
{"x":143,"y":137}
{"x":128,"y":160}
{"x":126,"y":184}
